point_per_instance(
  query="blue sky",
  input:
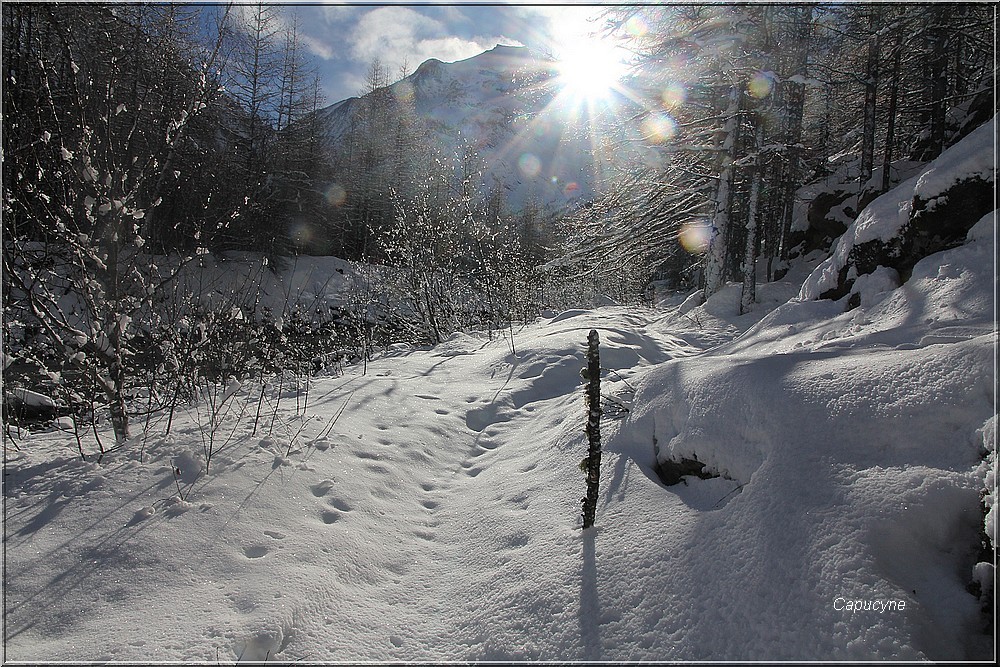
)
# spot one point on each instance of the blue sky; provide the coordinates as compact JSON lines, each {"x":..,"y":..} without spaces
{"x":342,"y":40}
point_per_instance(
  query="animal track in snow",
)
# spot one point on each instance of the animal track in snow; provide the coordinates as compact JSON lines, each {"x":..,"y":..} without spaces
{"x":518,"y":540}
{"x":255,"y":551}
{"x":263,"y":644}
{"x":320,"y":489}
{"x":341,"y":505}
{"x":329,"y":516}
{"x":274,"y":535}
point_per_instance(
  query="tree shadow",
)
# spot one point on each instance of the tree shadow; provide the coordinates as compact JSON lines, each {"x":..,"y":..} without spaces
{"x":590,"y":604}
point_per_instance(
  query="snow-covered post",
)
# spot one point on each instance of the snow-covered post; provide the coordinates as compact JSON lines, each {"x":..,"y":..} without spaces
{"x":593,"y":375}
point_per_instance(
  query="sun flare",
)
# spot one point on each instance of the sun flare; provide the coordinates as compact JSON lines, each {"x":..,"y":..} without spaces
{"x":589,"y":68}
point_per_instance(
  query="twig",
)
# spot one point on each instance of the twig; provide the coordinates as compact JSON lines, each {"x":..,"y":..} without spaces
{"x":729,"y":494}
{"x":618,"y":375}
{"x":333,"y":421}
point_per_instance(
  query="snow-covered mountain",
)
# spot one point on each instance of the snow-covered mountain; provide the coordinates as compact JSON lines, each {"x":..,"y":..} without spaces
{"x":507,"y":105}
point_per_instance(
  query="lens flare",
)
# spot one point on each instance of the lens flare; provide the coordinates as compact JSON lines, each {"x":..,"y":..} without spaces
{"x":658,"y":128}
{"x":760,"y":85}
{"x":529,"y":165}
{"x":637,"y":26}
{"x":695,"y":236}
{"x":300,"y":233}
{"x":673,"y":95}
{"x":403,"y":90}
{"x":335,"y":194}
{"x":572,"y":189}
{"x":541,"y":128}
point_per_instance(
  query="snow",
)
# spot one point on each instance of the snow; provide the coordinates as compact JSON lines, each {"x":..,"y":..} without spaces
{"x":533,"y":140}
{"x":988,"y":436}
{"x":883,"y":218}
{"x":429,"y":508}
{"x":973,"y":156}
{"x":32,"y":398}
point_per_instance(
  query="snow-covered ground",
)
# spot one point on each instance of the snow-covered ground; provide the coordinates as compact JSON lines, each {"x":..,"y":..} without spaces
{"x":429,"y":508}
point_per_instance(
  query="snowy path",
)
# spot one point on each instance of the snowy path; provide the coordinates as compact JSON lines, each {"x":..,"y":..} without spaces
{"x":438,"y":517}
{"x":440,"y":495}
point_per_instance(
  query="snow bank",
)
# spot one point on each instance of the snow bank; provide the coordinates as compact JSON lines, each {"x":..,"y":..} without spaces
{"x":848,"y":449}
{"x":247,"y":279}
{"x":886,"y":216}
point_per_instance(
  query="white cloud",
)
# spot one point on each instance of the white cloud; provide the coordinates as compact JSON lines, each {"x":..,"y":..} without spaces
{"x":315,"y":46}
{"x":448,"y":49}
{"x":396,"y":34}
{"x":390,"y":34}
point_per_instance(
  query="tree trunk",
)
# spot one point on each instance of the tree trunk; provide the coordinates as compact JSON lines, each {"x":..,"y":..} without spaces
{"x":870,"y":84}
{"x":938,"y":75}
{"x":796,"y":105}
{"x":749,"y":292}
{"x":593,"y":428}
{"x":715,"y":263}
{"x":890,"y":130}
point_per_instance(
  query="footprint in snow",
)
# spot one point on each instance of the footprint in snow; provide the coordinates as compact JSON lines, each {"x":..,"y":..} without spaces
{"x":255,"y":551}
{"x":341,"y":505}
{"x":274,"y":535}
{"x":329,"y":517}
{"x":518,"y":540}
{"x":320,"y":489}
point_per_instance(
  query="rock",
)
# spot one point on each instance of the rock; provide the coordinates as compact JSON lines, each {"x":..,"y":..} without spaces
{"x":673,"y":472}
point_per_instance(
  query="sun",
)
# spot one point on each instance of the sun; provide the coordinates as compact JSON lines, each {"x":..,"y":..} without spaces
{"x":590,"y":68}
{"x":589,"y":63}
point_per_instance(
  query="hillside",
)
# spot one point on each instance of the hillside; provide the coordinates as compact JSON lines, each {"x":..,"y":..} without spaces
{"x":505,"y":106}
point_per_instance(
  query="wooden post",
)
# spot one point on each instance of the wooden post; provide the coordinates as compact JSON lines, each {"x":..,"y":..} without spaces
{"x":593,"y":428}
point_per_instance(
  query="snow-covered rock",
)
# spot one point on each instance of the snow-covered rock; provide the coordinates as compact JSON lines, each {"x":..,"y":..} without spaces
{"x":925,"y":214}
